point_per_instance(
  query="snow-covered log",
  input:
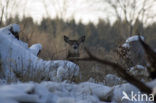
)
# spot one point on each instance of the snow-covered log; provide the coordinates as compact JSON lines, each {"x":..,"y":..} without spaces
{"x":18,"y":60}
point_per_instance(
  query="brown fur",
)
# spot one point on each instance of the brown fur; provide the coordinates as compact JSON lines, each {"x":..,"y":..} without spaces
{"x":73,"y":50}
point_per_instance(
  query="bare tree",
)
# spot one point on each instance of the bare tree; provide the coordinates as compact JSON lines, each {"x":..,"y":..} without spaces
{"x":133,"y":10}
{"x":59,"y":6}
{"x":2,"y":12}
{"x":63,"y":8}
{"x":7,"y":9}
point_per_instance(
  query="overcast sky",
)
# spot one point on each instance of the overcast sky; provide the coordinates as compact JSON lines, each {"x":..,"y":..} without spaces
{"x":84,"y":10}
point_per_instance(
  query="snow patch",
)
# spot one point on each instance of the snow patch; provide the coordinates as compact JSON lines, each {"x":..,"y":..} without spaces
{"x":138,"y":67}
{"x":54,"y":92}
{"x":131,"y":39}
{"x":152,"y":84}
{"x":19,"y":93}
{"x":35,"y":48}
{"x":134,"y":38}
{"x":118,"y":90}
{"x":126,"y":45}
{"x":3,"y":82}
{"x":112,"y":80}
{"x":140,"y":72}
{"x":15,"y":27}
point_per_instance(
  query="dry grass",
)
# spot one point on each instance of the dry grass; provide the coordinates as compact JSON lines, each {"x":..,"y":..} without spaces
{"x":95,"y":70}
{"x":56,"y":49}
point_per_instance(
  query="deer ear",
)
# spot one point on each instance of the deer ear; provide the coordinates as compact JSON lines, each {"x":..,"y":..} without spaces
{"x":82,"y":39}
{"x":66,"y":39}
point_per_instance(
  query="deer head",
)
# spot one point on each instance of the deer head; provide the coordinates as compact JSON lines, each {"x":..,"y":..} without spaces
{"x":74,"y":46}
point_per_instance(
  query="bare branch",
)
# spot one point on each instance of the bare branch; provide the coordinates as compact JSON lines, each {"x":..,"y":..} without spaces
{"x":151,"y":56}
{"x":131,"y":11}
{"x":115,"y":7}
{"x":119,"y":69}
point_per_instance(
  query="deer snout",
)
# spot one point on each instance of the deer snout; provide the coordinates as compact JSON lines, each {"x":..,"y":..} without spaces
{"x":75,"y":47}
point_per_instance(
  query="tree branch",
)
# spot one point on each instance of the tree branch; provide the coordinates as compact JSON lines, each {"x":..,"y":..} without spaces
{"x":151,"y":57}
{"x":119,"y":69}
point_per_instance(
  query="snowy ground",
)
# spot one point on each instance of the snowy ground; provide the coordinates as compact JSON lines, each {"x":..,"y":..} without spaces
{"x":17,"y":58}
{"x":54,"y":92}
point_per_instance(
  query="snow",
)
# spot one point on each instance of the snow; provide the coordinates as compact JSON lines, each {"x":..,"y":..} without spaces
{"x":139,"y":67}
{"x":64,"y":74}
{"x":140,"y":72}
{"x":6,"y":30}
{"x":131,"y":39}
{"x":16,"y":57}
{"x":118,"y":90}
{"x":112,"y":80}
{"x":61,"y":92}
{"x":18,"y":93}
{"x":53,"y":92}
{"x":126,"y":45}
{"x":16,"y":27}
{"x":35,"y":48}
{"x":152,"y":84}
{"x":3,"y":81}
{"x":134,"y":38}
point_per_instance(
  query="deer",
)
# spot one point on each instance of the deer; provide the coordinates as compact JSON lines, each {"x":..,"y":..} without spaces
{"x":73,"y":50}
